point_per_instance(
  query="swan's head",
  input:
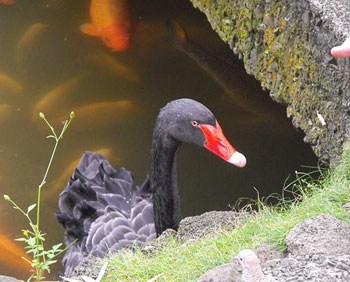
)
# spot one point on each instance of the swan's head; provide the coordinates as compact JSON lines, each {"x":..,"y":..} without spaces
{"x":189,"y":121}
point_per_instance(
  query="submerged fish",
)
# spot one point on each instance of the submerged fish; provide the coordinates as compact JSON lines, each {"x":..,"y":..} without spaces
{"x":12,"y":255}
{"x":110,"y":20}
{"x":7,"y":2}
{"x":101,"y":113}
{"x":52,"y":103}
{"x":112,"y":64}
{"x":28,"y":41}
{"x":61,"y":181}
{"x":230,"y":77}
{"x":9,"y":85}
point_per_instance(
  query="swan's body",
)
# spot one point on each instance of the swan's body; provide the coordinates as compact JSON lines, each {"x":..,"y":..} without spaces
{"x":102,"y":209}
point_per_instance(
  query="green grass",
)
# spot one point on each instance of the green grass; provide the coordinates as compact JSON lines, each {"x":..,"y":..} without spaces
{"x":188,"y":261}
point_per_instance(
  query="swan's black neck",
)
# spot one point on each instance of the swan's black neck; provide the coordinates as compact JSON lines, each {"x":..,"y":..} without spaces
{"x":163,"y":184}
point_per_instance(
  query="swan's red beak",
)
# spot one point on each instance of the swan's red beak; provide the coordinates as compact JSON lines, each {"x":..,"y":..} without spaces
{"x":217,"y":143}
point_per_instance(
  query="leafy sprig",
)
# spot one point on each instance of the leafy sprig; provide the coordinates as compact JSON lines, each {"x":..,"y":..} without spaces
{"x":33,"y":237}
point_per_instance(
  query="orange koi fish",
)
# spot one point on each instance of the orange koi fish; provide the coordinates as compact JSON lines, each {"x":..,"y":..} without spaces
{"x":110,"y":20}
{"x":29,"y":41}
{"x":112,"y":64}
{"x":6,"y":2}
{"x":12,"y":255}
{"x":62,"y":180}
{"x":9,"y":85}
{"x":54,"y":101}
{"x":100,"y":112}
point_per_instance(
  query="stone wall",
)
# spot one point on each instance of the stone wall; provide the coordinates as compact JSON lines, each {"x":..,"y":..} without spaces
{"x":286,"y":45}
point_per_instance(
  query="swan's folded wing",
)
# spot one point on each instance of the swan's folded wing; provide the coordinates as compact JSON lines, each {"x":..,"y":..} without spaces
{"x":102,"y":210}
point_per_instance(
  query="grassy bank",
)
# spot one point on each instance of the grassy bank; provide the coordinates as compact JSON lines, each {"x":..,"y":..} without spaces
{"x":186,"y":262}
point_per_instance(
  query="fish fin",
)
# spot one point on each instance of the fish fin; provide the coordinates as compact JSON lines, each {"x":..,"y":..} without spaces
{"x":175,"y":33}
{"x":89,"y":29}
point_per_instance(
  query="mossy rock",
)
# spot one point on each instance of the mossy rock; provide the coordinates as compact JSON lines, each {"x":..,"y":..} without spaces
{"x":286,"y":46}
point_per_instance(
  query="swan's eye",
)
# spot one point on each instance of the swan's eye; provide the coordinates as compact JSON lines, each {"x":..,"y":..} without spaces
{"x":194,"y":123}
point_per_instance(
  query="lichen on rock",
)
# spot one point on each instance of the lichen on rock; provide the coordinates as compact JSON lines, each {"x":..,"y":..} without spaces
{"x":286,"y":46}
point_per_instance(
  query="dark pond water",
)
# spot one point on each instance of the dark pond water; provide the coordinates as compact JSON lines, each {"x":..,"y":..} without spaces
{"x":47,"y":64}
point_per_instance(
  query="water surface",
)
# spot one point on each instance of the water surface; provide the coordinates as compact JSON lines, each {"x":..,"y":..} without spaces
{"x":154,"y":72}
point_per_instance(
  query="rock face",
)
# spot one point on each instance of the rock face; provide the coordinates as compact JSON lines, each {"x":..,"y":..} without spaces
{"x":316,"y":268}
{"x":223,"y":273}
{"x":8,"y":279}
{"x":318,"y":251}
{"x":286,"y":45}
{"x":198,"y":226}
{"x":309,"y":237}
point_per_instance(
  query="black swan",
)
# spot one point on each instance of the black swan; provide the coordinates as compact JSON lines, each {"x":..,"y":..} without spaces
{"x":101,"y":208}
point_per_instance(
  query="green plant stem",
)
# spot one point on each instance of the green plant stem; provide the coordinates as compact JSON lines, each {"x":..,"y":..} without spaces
{"x":57,"y":139}
{"x":39,"y":194}
{"x":22,"y":211}
{"x":34,"y":238}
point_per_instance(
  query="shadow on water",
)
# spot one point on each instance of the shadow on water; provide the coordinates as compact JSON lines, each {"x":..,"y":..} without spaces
{"x":48,"y":65}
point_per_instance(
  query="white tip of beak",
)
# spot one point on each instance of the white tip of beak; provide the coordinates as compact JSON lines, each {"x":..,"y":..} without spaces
{"x":238,"y":159}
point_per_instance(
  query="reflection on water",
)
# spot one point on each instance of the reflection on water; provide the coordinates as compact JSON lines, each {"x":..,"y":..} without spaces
{"x":47,"y":64}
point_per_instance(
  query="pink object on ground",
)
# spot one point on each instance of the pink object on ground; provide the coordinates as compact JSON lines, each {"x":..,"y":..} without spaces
{"x":342,"y":51}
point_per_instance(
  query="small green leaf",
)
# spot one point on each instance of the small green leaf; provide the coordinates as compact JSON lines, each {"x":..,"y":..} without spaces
{"x":50,"y":256}
{"x":31,"y":241}
{"x":57,"y":247}
{"x":49,"y":262}
{"x":30,"y":208}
